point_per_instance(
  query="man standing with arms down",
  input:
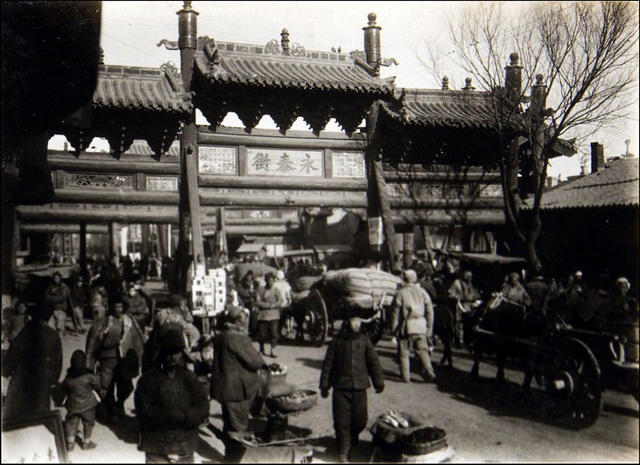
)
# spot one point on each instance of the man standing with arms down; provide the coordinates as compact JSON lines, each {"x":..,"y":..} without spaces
{"x":466,"y":298}
{"x":412,"y":324}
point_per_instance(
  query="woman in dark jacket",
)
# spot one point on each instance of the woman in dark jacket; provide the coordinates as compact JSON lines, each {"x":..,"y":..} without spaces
{"x":350,"y":362}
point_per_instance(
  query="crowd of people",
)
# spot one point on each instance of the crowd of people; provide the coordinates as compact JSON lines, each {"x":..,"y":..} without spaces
{"x":160,"y":355}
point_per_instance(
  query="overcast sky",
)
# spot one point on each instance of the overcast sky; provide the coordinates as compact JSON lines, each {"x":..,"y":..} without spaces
{"x":131,"y":30}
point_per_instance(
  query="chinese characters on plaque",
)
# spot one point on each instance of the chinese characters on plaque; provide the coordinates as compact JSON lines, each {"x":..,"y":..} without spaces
{"x":348,"y":165}
{"x":217,"y":160}
{"x":277,"y":162}
{"x":162,"y":183}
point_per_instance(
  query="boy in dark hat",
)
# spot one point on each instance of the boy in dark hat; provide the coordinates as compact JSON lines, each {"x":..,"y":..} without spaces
{"x":81,"y":387}
{"x":350,"y":362}
{"x":171,"y":404}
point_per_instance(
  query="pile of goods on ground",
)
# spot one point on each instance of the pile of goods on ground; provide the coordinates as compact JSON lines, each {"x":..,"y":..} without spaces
{"x":286,"y":398}
{"x":394,"y":418}
{"x":364,"y":287}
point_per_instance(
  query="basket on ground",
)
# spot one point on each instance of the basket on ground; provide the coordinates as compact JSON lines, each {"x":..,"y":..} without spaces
{"x":423,"y":441}
{"x":299,"y":401}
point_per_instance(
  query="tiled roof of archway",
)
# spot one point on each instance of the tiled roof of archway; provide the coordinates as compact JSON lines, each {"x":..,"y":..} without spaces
{"x":254,"y":65}
{"x":442,"y":108}
{"x":135,"y":88}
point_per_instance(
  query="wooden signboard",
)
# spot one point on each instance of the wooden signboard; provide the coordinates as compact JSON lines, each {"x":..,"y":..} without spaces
{"x":34,"y":439}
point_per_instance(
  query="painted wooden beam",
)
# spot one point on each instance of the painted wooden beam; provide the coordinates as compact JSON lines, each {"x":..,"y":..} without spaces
{"x":274,"y":139}
{"x":113,"y":166}
{"x":52,"y":228}
{"x":123,"y":197}
{"x":258,"y":201}
{"x":256,"y":182}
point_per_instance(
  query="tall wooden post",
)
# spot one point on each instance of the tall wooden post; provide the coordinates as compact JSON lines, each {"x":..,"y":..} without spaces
{"x":144,"y":239}
{"x":378,"y":205}
{"x":189,"y":207}
{"x":114,"y":250}
{"x":83,"y":246}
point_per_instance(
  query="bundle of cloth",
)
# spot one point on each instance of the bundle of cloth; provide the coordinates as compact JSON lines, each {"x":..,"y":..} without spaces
{"x":364,"y":287}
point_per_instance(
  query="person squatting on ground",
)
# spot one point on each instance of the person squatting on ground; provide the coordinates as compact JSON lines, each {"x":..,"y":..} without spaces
{"x":80,"y":386}
{"x":34,"y":363}
{"x":351,"y":360}
{"x":412,"y":325}
{"x":236,"y":362}
{"x":57,"y":293}
{"x":269,"y":301}
{"x":171,"y":403}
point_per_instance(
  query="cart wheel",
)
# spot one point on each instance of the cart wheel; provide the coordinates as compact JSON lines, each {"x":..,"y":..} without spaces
{"x":373,"y":330}
{"x":573,"y":379}
{"x":315,"y":322}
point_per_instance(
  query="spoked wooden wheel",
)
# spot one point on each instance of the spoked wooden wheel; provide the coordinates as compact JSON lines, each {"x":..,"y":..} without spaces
{"x":573,"y":379}
{"x":373,"y":329}
{"x":315,"y":322}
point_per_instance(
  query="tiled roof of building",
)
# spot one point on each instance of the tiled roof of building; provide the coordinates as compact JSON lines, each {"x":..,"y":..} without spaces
{"x":134,"y":88}
{"x":616,"y":185}
{"x":267,"y":66}
{"x":442,"y":108}
{"x":140,"y":147}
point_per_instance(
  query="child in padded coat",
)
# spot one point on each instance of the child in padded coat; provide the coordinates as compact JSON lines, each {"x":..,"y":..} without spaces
{"x":350,"y":362}
{"x":81,"y":387}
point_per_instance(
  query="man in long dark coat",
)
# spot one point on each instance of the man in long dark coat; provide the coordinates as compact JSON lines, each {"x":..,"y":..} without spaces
{"x":236,"y":382}
{"x":34,"y":363}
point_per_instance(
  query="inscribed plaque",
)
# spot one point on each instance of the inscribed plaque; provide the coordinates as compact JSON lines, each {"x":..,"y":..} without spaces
{"x":289,"y":163}
{"x":162,"y":183}
{"x":348,"y":165}
{"x":217,"y":160}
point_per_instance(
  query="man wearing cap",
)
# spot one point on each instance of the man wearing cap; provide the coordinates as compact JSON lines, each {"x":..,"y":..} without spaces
{"x":350,"y":362}
{"x":236,"y":362}
{"x":412,"y":325}
{"x":170,"y":404}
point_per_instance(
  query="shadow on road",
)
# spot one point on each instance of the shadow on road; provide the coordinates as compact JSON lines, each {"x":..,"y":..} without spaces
{"x":627,"y":412}
{"x":497,"y":398}
{"x":125,"y":428}
{"x":310,"y":362}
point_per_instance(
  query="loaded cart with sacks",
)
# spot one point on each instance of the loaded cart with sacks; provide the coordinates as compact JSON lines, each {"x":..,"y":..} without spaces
{"x":368,"y":292}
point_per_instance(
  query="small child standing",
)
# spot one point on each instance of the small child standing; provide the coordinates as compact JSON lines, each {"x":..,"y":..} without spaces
{"x":81,"y":387}
{"x":350,"y":361}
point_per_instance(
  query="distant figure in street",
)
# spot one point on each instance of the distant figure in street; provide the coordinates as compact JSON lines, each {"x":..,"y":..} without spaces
{"x":79,"y":300}
{"x":98,"y":299}
{"x":412,"y":325}
{"x":136,"y":306}
{"x":81,"y":387}
{"x":34,"y":363}
{"x":466,"y":298}
{"x":514,"y":291}
{"x":285,"y":288}
{"x":57,"y":293}
{"x":170,"y":404}
{"x":269,"y":300}
{"x":351,"y":360}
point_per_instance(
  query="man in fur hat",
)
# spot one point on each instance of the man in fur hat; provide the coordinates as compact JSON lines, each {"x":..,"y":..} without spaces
{"x":171,"y":404}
